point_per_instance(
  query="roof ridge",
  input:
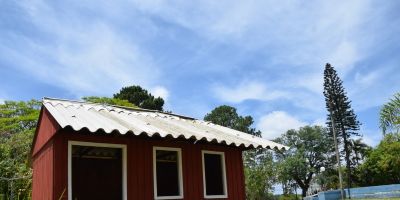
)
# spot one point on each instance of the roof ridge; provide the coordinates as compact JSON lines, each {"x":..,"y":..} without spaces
{"x":122,"y":107}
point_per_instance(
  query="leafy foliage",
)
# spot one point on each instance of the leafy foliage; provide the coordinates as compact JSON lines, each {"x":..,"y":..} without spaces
{"x":109,"y":101}
{"x":17,"y":125}
{"x":390,"y":115}
{"x":140,"y":97}
{"x":260,"y":170}
{"x":227,"y":116}
{"x":382,"y":165}
{"x":359,"y":151}
{"x":309,"y":152}
{"x":344,"y":118}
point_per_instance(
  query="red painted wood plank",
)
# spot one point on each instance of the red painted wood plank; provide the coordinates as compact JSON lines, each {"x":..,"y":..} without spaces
{"x":131,"y":169}
{"x":231,"y":175}
{"x":148,"y":175}
{"x":61,"y":167}
{"x":42,"y":185}
{"x":47,"y":127}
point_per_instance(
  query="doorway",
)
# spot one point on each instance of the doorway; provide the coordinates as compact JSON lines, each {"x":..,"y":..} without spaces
{"x":96,"y":171}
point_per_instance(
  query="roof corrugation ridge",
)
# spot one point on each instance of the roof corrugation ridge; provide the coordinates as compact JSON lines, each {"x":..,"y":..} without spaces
{"x":146,"y":117}
{"x":116,"y":106}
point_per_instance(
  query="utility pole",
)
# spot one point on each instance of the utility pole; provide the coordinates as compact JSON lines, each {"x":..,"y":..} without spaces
{"x":336,"y":150}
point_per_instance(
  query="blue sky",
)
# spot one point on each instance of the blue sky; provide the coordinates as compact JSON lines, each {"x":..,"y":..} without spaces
{"x":266,"y":58}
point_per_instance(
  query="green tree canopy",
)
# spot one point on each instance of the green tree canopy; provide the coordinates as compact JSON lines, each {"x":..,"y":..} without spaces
{"x":390,"y":115}
{"x":382,"y":165}
{"x":227,"y":116}
{"x":260,"y":174}
{"x":18,"y":121}
{"x":140,"y":97}
{"x":310,"y":150}
{"x":109,"y":101}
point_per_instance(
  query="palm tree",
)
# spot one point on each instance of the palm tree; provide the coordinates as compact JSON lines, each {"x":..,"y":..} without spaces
{"x":359,"y":151}
{"x":390,"y":115}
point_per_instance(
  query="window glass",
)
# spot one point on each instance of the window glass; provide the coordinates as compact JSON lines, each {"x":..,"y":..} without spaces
{"x":167,"y":173}
{"x":214,"y":173}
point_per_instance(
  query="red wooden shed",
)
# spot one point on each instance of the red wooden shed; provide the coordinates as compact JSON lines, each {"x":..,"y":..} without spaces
{"x":87,"y":151}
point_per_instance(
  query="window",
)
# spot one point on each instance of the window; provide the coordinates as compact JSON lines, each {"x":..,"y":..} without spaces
{"x":167,"y":165}
{"x":214,"y":175}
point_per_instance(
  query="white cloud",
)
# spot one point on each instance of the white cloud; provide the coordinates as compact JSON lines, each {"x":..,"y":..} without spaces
{"x":276,"y":123}
{"x":371,"y":137}
{"x":247,"y":91}
{"x":160,"y":91}
{"x":319,"y":122}
{"x":372,"y":88}
{"x":83,"y":56}
{"x":344,"y":57}
{"x":299,"y":39}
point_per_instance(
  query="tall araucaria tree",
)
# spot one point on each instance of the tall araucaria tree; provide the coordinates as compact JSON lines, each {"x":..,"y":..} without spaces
{"x":344,"y":118}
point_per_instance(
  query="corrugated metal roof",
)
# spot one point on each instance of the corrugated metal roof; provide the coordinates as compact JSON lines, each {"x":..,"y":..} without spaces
{"x":95,"y":117}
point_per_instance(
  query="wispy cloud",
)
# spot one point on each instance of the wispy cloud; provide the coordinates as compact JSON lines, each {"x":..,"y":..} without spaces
{"x":274,"y":124}
{"x":200,"y":54}
{"x":371,"y":137}
{"x":297,"y":38}
{"x":160,"y":91}
{"x":81,"y":56}
{"x":248,"y":90}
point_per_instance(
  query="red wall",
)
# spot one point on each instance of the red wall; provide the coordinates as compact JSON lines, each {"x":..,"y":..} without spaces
{"x":46,"y":129}
{"x":43,"y":157}
{"x":50,"y":162}
{"x":43,"y":174}
{"x":140,"y":164}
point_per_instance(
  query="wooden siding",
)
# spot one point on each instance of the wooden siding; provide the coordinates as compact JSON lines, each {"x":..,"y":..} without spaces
{"x":46,"y":129}
{"x":140,"y":164}
{"x":42,"y":183}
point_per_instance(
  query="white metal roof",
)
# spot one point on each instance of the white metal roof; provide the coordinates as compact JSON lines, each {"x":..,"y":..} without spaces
{"x":95,"y":117}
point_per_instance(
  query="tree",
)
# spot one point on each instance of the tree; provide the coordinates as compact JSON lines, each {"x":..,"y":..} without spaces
{"x":390,"y":115}
{"x":18,"y":121}
{"x":140,"y":97}
{"x":227,"y":116}
{"x":382,"y":165}
{"x":344,"y":118}
{"x":309,"y":152}
{"x":258,"y":163}
{"x":260,"y":175}
{"x":359,"y":151}
{"x":109,"y":101}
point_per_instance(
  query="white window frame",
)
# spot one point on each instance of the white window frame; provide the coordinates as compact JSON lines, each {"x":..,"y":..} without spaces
{"x":179,"y":151}
{"x":93,"y":144}
{"x":222,"y":154}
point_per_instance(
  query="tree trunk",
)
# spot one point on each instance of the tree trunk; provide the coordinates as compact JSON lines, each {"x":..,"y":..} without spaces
{"x":304,"y":192}
{"x":348,"y":162}
{"x":304,"y":186}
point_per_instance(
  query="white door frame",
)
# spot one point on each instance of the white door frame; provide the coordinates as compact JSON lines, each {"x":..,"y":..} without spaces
{"x":93,"y":144}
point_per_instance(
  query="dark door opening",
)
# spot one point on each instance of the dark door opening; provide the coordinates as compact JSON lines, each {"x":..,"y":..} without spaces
{"x":96,"y":173}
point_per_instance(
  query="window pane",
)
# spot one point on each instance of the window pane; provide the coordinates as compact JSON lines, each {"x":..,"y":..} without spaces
{"x":213,"y":174}
{"x":167,"y":170}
